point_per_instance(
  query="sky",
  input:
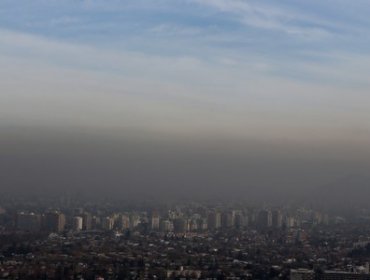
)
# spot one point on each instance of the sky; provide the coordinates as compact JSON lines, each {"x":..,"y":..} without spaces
{"x":261,"y":83}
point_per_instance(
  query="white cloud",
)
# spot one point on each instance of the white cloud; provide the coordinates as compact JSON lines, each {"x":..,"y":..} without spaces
{"x":270,"y":17}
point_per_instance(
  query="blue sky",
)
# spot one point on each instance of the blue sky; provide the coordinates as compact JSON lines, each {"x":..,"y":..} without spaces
{"x":249,"y":68}
{"x":269,"y":27}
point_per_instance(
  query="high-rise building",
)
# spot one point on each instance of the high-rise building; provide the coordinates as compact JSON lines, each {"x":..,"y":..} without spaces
{"x":77,"y":223}
{"x":227,"y":219}
{"x":95,"y":222}
{"x":193,"y":225}
{"x":134,"y":220}
{"x":180,"y":225}
{"x":166,"y":226}
{"x":240,"y":220}
{"x":107,"y":223}
{"x":264,"y":219}
{"x":125,"y":222}
{"x":86,"y":221}
{"x":54,"y":221}
{"x":28,"y":222}
{"x":252,"y":217}
{"x":290,"y":222}
{"x":154,"y":223}
{"x":214,"y":220}
{"x":202,"y":224}
{"x":277,"y":219}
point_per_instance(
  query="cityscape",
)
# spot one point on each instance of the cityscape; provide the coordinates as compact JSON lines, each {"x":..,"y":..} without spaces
{"x":184,"y":139}
{"x":65,"y":238}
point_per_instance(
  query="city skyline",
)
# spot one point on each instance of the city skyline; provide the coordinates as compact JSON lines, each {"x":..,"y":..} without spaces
{"x":185,"y":139}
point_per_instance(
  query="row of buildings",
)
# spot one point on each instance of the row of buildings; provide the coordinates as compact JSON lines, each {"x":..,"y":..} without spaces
{"x":309,"y":274}
{"x":176,"y":221}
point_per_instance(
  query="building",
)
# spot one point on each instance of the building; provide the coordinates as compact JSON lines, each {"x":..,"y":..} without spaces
{"x":108,"y":223}
{"x":28,"y":222}
{"x":306,"y":274}
{"x":240,"y":220}
{"x":302,"y":274}
{"x":214,"y":220}
{"x":77,"y":223}
{"x":193,"y":225}
{"x":166,"y":226}
{"x":264,"y":219}
{"x":86,"y":221}
{"x":54,"y":221}
{"x":125,"y":222}
{"x":290,"y":222}
{"x":134,"y":220}
{"x":227,"y":219}
{"x":180,"y":225}
{"x":277,"y":219}
{"x":154,"y":221}
{"x":202,"y":224}
{"x":95,"y":222}
{"x":341,"y":275}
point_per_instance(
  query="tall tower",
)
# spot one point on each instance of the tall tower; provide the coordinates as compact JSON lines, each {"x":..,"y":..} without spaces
{"x":77,"y":223}
{"x":277,"y":219}
{"x":28,"y":221}
{"x":54,"y":221}
{"x":154,"y":221}
{"x":264,"y":219}
{"x":214,"y":220}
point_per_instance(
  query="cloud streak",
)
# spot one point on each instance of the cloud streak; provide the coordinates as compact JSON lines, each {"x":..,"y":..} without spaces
{"x":56,"y":83}
{"x":269,"y":17}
